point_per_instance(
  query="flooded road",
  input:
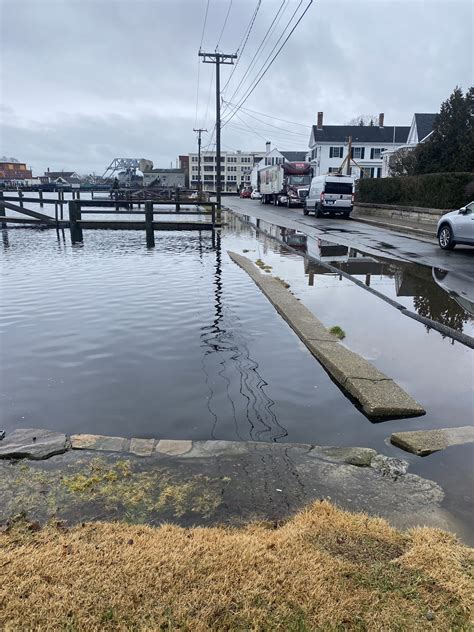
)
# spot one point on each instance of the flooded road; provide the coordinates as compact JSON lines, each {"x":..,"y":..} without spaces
{"x":112,"y":338}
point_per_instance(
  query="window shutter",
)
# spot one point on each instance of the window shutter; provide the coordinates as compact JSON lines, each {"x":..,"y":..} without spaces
{"x":372,"y":153}
{"x":330,"y":152}
{"x":362,"y":153}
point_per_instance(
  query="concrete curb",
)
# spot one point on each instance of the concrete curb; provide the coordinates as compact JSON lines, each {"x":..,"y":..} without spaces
{"x":427,"y":235}
{"x":379,"y":396}
{"x":424,"y":442}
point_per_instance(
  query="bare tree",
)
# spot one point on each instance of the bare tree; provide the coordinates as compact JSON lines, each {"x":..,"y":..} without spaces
{"x":364,"y":119}
{"x":402,"y":162}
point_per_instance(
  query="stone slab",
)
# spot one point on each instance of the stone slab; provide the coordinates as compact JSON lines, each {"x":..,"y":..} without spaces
{"x":173,"y":447}
{"x":98,"y":442}
{"x":361,"y":457}
{"x":33,"y":443}
{"x":424,"y":442}
{"x":142,"y":447}
{"x":232,"y":483}
{"x":383,"y":398}
{"x":378,"y":394}
{"x":343,"y":363}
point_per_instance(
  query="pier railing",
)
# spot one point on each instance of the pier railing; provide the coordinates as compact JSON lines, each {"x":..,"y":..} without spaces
{"x":146,"y":208}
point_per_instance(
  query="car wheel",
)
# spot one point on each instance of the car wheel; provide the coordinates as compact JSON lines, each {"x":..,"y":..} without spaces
{"x":288,"y":203}
{"x":317,"y":211}
{"x":305,"y":210}
{"x":347,"y":215}
{"x":445,"y":237}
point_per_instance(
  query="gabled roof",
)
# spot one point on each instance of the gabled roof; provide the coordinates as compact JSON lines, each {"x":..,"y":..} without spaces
{"x":424,"y":124}
{"x":294,"y":156}
{"x":61,"y":174}
{"x":360,"y":134}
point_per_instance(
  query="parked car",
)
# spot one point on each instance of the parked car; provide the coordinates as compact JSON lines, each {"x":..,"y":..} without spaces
{"x":331,"y":194}
{"x":245,"y":194}
{"x":255,"y":195}
{"x":457,"y":227}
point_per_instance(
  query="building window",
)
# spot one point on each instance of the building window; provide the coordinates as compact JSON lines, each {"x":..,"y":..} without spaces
{"x":208,"y":159}
{"x":368,"y":172}
{"x":336,"y":152}
{"x":358,"y":152}
{"x":194,"y":158}
{"x":208,"y":168}
{"x":375,"y":153}
{"x":333,"y":169}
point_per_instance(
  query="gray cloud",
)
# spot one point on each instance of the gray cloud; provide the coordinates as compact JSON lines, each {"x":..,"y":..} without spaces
{"x":84,"y":82}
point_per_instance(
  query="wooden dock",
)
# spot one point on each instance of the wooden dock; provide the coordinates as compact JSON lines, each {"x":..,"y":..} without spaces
{"x":113,"y":207}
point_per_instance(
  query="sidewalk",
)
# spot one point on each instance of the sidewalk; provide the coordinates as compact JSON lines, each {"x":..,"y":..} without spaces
{"x":422,"y":230}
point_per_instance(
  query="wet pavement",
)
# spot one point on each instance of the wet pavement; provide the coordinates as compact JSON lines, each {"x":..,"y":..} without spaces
{"x":372,"y":240}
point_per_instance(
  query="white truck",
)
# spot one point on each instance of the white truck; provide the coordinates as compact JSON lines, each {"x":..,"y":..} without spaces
{"x":285,"y":184}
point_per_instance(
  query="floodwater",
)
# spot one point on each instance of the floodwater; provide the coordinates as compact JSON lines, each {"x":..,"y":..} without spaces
{"x":110,"y":337}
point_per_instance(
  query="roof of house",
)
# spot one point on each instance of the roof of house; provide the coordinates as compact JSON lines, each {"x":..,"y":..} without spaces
{"x":360,"y":134}
{"x":424,"y":124}
{"x":60,"y":174}
{"x":294,"y":156}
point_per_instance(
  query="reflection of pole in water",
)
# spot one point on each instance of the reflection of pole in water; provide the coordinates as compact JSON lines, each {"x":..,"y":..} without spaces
{"x":225,"y":342}
{"x":5,"y":240}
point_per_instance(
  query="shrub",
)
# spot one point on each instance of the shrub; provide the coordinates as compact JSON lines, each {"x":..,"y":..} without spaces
{"x":433,"y":190}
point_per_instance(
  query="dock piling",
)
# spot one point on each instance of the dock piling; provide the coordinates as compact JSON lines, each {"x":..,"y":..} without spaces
{"x":150,"y":235}
{"x":74,"y":217}
{"x":41,"y":198}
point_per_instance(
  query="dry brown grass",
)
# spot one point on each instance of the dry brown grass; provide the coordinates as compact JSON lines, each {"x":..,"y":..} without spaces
{"x":325,"y":569}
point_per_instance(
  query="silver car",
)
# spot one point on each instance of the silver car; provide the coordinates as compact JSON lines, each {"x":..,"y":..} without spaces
{"x":457,"y":227}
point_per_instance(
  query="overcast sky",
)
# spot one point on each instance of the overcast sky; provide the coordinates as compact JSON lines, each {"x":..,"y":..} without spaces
{"x":85,"y":81}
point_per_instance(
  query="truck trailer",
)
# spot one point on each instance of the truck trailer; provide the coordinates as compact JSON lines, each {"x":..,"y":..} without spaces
{"x":285,"y":184}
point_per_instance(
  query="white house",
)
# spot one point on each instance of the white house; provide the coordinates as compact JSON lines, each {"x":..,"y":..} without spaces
{"x":275,"y":157}
{"x":328,"y":146}
{"x":420,"y":130}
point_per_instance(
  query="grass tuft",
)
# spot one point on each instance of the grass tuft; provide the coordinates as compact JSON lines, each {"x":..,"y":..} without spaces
{"x":338,"y":331}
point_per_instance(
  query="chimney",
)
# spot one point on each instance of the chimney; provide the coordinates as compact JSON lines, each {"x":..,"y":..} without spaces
{"x":381,"y":115}
{"x":268,"y":146}
{"x":320,"y":120}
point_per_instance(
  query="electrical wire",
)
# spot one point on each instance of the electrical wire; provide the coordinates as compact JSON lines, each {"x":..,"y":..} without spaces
{"x":204,"y":25}
{"x":241,"y":49}
{"x":275,"y":118}
{"x":249,"y":92}
{"x":281,"y":129}
{"x":255,"y":56}
{"x":224,"y":25}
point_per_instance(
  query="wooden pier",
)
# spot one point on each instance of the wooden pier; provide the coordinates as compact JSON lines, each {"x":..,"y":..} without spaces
{"x":78,"y":208}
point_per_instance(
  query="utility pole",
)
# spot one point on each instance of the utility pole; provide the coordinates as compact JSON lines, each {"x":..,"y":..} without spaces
{"x":218,"y":59}
{"x":199,"y":131}
{"x":349,"y":155}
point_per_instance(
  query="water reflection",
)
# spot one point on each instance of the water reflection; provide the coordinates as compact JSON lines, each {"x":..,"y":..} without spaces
{"x":436,"y":294}
{"x":223,"y":344}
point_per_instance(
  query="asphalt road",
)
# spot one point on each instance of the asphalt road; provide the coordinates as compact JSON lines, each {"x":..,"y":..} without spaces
{"x":370,"y":239}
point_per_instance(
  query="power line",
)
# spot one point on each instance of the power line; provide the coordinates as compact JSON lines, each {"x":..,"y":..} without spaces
{"x":275,"y":118}
{"x":253,"y":60}
{"x":209,"y":94}
{"x":281,"y":129}
{"x":241,"y":48}
{"x":204,"y":25}
{"x":275,"y":45}
{"x":225,"y":22}
{"x":199,"y":65}
{"x":271,"y":62}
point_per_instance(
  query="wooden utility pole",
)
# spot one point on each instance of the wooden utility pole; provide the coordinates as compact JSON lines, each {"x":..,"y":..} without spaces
{"x":199,"y":131}
{"x":218,"y":59}
{"x":349,"y":156}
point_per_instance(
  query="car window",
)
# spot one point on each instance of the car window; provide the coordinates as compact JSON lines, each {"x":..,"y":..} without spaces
{"x":470,"y":207}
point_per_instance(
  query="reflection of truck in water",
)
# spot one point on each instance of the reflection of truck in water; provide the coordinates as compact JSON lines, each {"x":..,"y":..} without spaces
{"x":285,"y":184}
